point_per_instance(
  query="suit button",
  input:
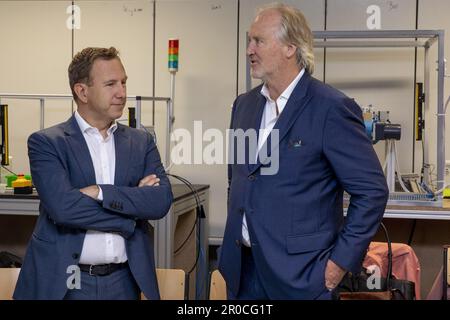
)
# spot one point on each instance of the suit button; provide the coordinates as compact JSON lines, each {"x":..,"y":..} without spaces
{"x":75,"y":255}
{"x":251,"y":177}
{"x":241,"y":211}
{"x":238,"y":242}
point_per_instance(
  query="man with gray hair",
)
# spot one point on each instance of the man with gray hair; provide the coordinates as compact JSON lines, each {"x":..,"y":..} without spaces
{"x":286,"y":237}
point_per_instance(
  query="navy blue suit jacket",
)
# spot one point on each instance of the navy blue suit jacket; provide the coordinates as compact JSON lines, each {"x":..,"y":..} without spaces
{"x":61,"y":165}
{"x":295,"y":217}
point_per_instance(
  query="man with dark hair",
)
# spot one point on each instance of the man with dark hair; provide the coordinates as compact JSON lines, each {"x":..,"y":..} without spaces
{"x":285,"y":236}
{"x":98,"y":183}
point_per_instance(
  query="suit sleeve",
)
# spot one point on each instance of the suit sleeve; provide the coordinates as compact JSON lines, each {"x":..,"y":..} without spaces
{"x":149,"y":202}
{"x":357,"y":168}
{"x":65,"y":204}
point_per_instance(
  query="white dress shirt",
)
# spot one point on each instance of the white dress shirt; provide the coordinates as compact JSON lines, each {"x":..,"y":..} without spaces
{"x":101,"y":247}
{"x":268,"y":120}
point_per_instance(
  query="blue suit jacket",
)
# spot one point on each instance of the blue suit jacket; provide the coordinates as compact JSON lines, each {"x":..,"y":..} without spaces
{"x":295,"y":217}
{"x":61,"y":165}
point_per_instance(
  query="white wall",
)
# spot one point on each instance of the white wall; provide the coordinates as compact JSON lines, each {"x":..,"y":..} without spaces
{"x":382,"y":77}
{"x":35,"y":52}
{"x":205,"y":82}
{"x":37,"y":48}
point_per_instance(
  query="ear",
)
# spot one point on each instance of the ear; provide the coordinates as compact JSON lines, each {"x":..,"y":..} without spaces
{"x":291,"y":51}
{"x":81,"y":91}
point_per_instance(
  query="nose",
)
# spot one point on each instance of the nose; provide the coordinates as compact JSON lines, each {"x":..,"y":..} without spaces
{"x":250,"y":48}
{"x":122,"y":91}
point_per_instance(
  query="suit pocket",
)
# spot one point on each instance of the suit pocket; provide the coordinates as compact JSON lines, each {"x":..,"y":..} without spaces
{"x":309,"y":242}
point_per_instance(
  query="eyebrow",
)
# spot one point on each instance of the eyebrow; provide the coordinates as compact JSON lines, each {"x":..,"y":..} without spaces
{"x":113,"y":80}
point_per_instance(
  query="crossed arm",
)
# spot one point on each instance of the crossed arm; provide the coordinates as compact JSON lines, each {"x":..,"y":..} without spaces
{"x":78,"y":208}
{"x":93,"y":191}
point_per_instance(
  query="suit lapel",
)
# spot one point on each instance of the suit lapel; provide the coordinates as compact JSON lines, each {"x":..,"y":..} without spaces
{"x":294,"y":107}
{"x":254,"y":124}
{"x":122,"y":145}
{"x":80,"y":150}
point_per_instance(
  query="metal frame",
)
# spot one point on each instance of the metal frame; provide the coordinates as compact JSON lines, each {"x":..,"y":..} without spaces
{"x":421,"y":39}
{"x":138,"y":99}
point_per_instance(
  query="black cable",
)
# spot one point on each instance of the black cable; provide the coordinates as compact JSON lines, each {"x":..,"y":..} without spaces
{"x":198,"y":251}
{"x":189,"y":185}
{"x":187,"y":238}
{"x":411,"y":234}
{"x":197,"y":219}
{"x":9,"y":170}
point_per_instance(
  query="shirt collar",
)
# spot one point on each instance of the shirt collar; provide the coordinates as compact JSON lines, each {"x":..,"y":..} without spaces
{"x":85,"y":127}
{"x":288,"y":91}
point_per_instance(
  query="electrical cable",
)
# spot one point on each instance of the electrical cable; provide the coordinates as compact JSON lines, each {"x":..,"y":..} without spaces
{"x":199,"y":210}
{"x":411,"y":234}
{"x":187,"y":238}
{"x":199,"y":214}
{"x":399,"y":175}
{"x":8,"y":170}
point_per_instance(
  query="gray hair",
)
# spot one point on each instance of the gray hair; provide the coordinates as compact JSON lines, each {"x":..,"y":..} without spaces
{"x":294,"y":29}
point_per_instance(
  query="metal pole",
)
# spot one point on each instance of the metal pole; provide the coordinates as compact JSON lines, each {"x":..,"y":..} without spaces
{"x":138,"y":112}
{"x":426,"y":85}
{"x":167,"y":225}
{"x":172,"y":98}
{"x":390,"y":165}
{"x":164,"y":230}
{"x":42,"y":103}
{"x":441,"y":113}
{"x":169,"y":117}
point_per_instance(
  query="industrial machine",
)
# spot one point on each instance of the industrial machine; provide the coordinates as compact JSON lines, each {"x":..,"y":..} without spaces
{"x":403,"y":188}
{"x":378,"y":125}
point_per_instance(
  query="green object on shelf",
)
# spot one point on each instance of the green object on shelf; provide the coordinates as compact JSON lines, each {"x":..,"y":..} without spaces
{"x":11,"y":178}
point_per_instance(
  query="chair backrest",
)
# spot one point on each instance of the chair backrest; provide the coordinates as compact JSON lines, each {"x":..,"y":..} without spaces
{"x":172,"y":284}
{"x":217,"y":287}
{"x":8,"y":279}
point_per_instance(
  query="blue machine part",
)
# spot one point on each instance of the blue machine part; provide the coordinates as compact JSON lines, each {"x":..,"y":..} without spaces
{"x":369,"y":127}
